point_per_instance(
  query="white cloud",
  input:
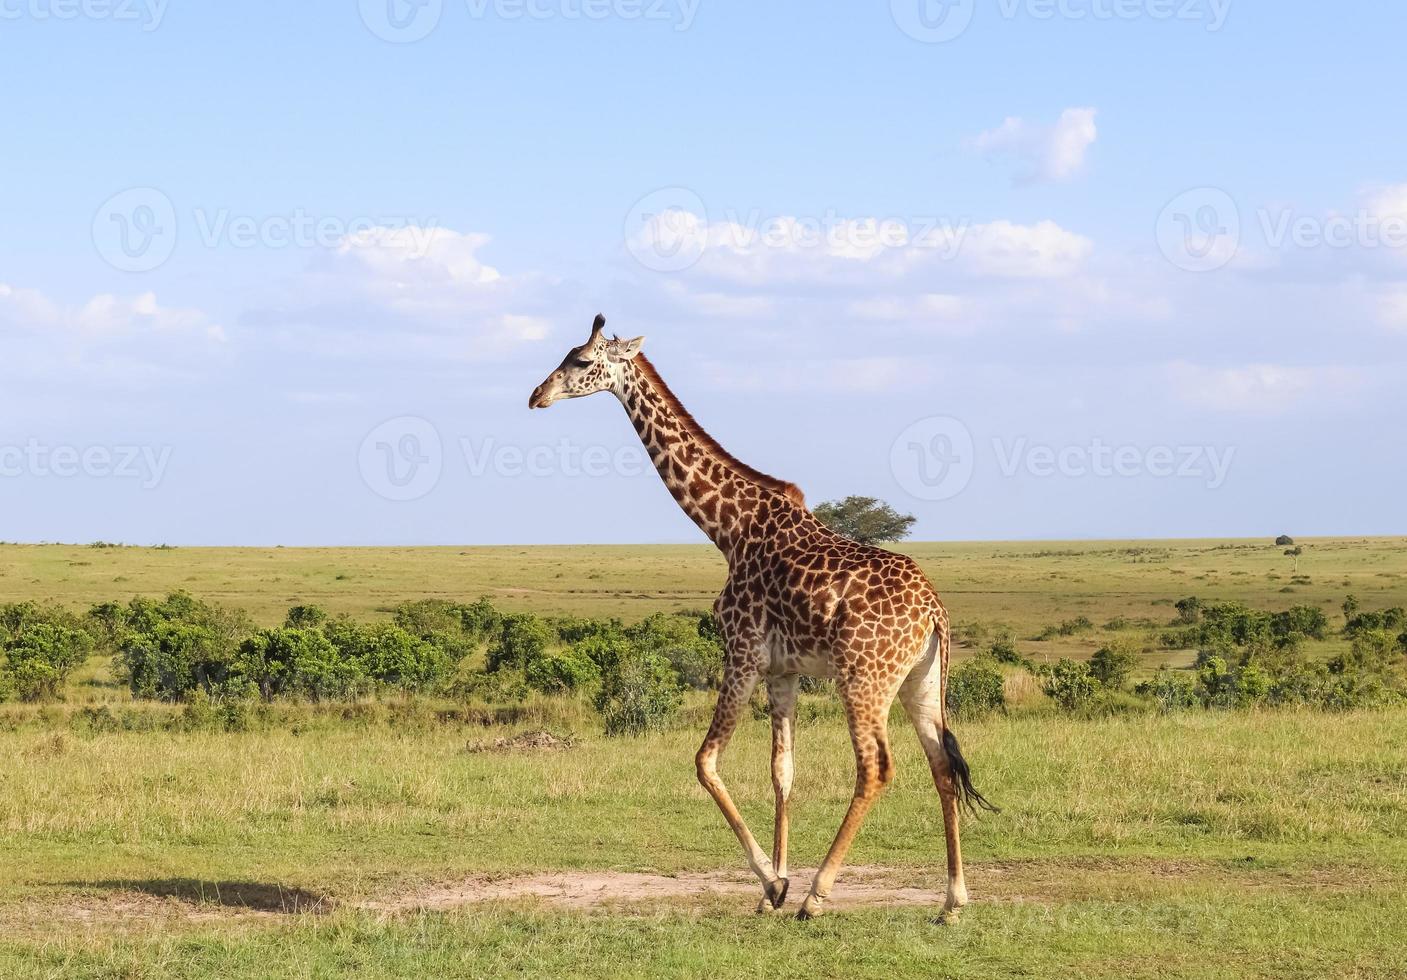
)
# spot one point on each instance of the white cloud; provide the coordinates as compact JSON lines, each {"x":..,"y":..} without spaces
{"x":412,"y":254}
{"x":412,"y":293}
{"x":1259,"y":389}
{"x":1046,"y":153}
{"x":105,"y":316}
{"x":1388,"y":201}
{"x":789,"y":250}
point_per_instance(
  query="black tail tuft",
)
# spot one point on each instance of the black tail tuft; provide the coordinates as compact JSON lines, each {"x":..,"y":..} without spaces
{"x":971,"y":799}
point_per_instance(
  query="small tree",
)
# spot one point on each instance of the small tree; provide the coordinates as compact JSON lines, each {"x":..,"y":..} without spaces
{"x":1295,"y":553}
{"x":1189,"y":610}
{"x":865,"y":519}
{"x":305,"y":617}
{"x":1350,"y":607}
{"x":522,"y":638}
{"x":1070,"y":685}
{"x":639,"y":691}
{"x":1112,"y":664}
{"x":976,"y":688}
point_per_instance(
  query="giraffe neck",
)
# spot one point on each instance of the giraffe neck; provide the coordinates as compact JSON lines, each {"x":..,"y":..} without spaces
{"x":727,"y":499}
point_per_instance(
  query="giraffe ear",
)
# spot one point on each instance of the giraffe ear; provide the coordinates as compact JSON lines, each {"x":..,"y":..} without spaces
{"x":623,"y":350}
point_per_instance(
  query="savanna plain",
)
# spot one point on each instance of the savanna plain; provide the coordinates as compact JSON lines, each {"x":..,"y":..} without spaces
{"x":441,"y":832}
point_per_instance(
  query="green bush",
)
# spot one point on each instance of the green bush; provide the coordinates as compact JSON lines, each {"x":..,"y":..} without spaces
{"x":305,"y":617}
{"x":1003,"y":650}
{"x":41,"y":656}
{"x":1112,"y":663}
{"x":574,"y":629}
{"x":639,"y":690}
{"x":1169,"y":691}
{"x":389,"y":655}
{"x":522,"y":638}
{"x":297,"y":661}
{"x":1068,"y":627}
{"x":684,"y":641}
{"x":976,"y":687}
{"x":39,"y":647}
{"x":1189,"y":610}
{"x":172,"y":660}
{"x":457,"y":630}
{"x":561,"y":671}
{"x":1070,"y":685}
{"x":1390,"y":620}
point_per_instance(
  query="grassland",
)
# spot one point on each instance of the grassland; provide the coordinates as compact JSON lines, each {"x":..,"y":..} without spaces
{"x":1026,"y":584}
{"x":1197,"y":844}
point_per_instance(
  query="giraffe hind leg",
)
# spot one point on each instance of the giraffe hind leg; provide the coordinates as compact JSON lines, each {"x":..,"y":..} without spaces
{"x":867,"y":715}
{"x":922,"y":697}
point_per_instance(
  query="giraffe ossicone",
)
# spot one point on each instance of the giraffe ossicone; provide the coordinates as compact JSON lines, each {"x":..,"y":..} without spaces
{"x":800,"y":600}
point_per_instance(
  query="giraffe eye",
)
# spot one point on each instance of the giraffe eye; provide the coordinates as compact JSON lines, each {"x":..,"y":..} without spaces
{"x":582,"y":362}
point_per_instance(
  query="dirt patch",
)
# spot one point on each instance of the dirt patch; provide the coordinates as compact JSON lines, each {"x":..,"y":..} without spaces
{"x":588,"y":889}
{"x":129,"y":904}
{"x":524,"y":742}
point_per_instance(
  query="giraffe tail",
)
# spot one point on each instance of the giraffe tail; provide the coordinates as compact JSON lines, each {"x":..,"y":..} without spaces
{"x":962,"y":773}
{"x":967,"y":793}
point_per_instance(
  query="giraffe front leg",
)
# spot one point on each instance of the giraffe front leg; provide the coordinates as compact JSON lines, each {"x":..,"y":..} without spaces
{"x":781,"y":696}
{"x":732,"y":702}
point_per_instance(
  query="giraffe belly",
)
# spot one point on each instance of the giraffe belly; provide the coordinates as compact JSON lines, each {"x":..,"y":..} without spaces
{"x":786,"y":656}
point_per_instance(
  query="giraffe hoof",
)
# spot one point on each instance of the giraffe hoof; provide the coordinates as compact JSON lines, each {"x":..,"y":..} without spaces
{"x":810,"y":909}
{"x":948,"y":917}
{"x":776,"y":891}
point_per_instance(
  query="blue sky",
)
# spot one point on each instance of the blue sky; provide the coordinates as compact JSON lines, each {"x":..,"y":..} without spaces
{"x":1025,"y":268}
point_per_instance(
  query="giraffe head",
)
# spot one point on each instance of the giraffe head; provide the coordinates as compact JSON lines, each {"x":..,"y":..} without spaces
{"x":594,"y":366}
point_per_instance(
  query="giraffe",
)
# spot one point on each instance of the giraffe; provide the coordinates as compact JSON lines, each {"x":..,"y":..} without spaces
{"x":799,"y":600}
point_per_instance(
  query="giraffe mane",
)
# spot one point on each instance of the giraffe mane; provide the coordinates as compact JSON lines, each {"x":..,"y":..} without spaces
{"x":789,"y":490}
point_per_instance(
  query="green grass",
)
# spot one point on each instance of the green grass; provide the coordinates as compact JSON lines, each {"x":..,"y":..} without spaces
{"x":1200,"y":844}
{"x":1027,"y":584}
{"x":1279,"y":837}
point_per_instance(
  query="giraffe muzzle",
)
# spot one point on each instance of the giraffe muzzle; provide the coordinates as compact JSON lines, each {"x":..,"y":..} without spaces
{"x":543,"y":395}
